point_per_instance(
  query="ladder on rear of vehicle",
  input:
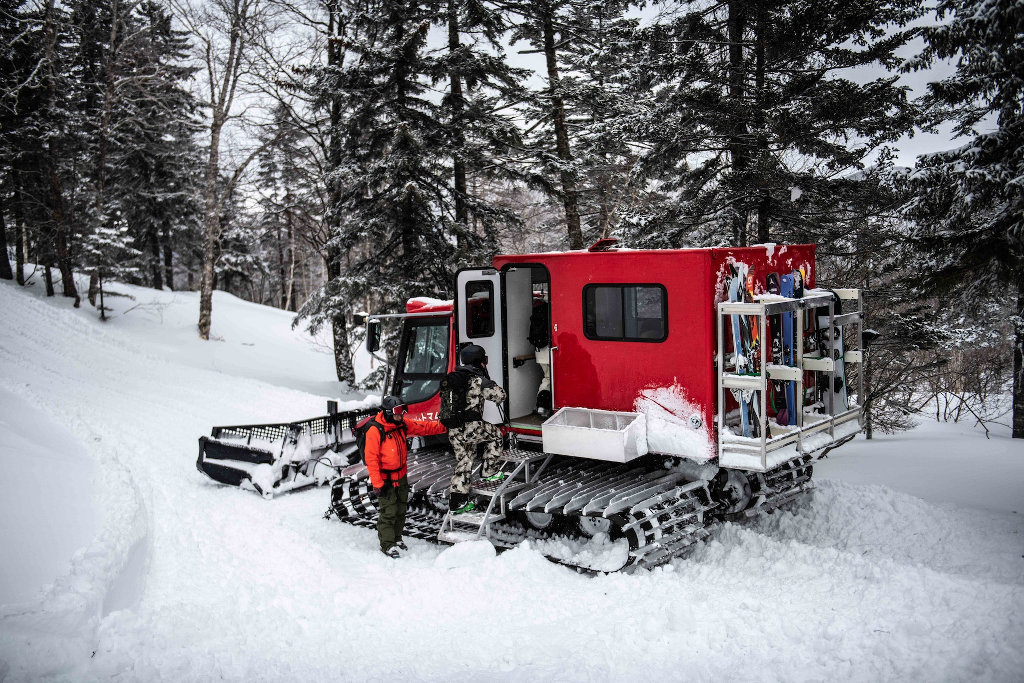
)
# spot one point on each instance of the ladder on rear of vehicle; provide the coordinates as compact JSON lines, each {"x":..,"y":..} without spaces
{"x":468,"y":526}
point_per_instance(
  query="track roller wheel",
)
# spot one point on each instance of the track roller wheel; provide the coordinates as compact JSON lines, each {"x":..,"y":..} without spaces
{"x":592,"y":526}
{"x":731,"y":489}
{"x":541,"y":521}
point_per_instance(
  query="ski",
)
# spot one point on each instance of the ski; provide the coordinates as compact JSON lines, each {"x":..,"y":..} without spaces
{"x":786,"y":289}
{"x":737,"y":342}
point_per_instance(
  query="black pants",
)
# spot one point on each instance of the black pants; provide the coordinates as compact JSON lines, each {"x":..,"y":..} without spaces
{"x":392,"y":504}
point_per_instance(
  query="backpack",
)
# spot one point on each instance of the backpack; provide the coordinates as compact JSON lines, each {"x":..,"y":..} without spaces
{"x":540,"y":334}
{"x":363,"y":428}
{"x":453,"y":394}
{"x":454,"y":413}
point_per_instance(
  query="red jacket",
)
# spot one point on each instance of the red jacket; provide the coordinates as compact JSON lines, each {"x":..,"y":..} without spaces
{"x":391,"y":453}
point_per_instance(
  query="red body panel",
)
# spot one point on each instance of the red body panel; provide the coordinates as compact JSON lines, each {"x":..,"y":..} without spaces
{"x":609,"y":374}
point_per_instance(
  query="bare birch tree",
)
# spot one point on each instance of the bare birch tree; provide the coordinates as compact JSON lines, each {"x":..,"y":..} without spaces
{"x":228,"y":34}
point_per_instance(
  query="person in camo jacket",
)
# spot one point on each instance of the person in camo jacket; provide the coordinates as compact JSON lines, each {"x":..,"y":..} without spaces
{"x":467,"y":429}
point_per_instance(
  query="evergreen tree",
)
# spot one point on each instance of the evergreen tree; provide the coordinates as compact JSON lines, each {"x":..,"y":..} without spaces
{"x":544,"y":25}
{"x":970,"y":208}
{"x":479,"y":137}
{"x":393,"y":186}
{"x":157,"y":160}
{"x":9,"y":30}
{"x":604,"y":96}
{"x":755,"y":106}
{"x":289,"y":215}
{"x":41,"y":140}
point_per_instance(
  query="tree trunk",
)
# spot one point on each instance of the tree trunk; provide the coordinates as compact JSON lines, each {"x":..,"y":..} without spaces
{"x":570,"y":198}
{"x":165,"y":239}
{"x":289,"y":301}
{"x":335,"y":58}
{"x":281,"y":277}
{"x":55,"y":187}
{"x":19,"y":236}
{"x":48,"y":279}
{"x":211,"y":225}
{"x":156,"y":275}
{"x":60,"y":236}
{"x":764,"y":201}
{"x":458,"y":105}
{"x":737,"y":144}
{"x":94,"y":287}
{"x":1018,"y":358}
{"x":103,"y":310}
{"x":339,"y":330}
{"x":5,"y":261}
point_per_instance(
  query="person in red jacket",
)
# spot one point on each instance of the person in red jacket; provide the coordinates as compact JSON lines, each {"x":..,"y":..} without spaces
{"x":386,"y":452}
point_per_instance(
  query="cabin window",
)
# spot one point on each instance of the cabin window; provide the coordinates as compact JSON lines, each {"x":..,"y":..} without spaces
{"x":479,"y":308}
{"x":423,"y":359}
{"x":625,"y":312}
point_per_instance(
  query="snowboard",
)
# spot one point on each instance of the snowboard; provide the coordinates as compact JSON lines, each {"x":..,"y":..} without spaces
{"x":741,"y":346}
{"x":786,"y":289}
{"x":776,"y":395}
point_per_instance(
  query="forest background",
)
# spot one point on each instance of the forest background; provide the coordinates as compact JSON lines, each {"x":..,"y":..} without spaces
{"x":334,"y":156}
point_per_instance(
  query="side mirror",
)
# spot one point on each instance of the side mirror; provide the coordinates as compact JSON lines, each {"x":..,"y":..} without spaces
{"x":372,"y":336}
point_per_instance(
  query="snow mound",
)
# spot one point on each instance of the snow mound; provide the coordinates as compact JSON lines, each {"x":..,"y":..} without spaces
{"x":465,"y":554}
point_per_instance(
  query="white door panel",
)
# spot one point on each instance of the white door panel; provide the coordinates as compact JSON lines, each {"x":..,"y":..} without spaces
{"x":478,"y":309}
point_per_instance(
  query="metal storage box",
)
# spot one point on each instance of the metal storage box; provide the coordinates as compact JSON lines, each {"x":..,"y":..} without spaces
{"x":597,"y":434}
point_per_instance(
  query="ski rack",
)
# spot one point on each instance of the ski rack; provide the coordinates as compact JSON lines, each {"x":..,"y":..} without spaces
{"x":760,"y":454}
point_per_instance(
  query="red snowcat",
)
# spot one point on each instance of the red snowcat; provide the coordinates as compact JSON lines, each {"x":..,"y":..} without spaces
{"x":687,"y":387}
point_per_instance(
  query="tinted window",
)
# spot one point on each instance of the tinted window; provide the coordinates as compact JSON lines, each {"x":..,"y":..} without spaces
{"x":625,"y":312}
{"x":479,"y":308}
{"x":423,"y":360}
{"x":427,"y":349}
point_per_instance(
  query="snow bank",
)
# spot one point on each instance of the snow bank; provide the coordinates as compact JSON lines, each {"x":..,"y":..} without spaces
{"x":863,"y":582}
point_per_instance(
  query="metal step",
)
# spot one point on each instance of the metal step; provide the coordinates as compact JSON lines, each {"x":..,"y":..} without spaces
{"x":489,"y":488}
{"x":474,"y":519}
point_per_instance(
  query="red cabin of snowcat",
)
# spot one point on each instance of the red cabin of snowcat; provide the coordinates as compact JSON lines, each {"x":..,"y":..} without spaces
{"x":665,"y":336}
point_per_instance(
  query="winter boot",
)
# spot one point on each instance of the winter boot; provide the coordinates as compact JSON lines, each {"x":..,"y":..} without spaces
{"x":497,"y":476}
{"x":459,"y":503}
{"x":392,"y":552}
{"x":400,"y":544}
{"x":544,"y":403}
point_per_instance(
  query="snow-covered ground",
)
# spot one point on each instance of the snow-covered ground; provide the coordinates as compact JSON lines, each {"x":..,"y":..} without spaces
{"x":120,"y":560}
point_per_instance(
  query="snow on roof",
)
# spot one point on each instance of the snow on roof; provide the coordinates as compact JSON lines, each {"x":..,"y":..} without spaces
{"x":426,"y":304}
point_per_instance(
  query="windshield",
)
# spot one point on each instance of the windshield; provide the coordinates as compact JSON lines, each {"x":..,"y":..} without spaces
{"x":424,"y":359}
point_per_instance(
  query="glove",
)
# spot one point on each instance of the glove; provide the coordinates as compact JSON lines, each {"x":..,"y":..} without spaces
{"x":450,"y":422}
{"x":488,"y":383}
{"x":378,"y":490}
{"x":518,"y":362}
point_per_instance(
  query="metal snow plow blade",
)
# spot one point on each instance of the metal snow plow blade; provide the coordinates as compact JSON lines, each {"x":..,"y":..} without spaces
{"x":275,"y":458}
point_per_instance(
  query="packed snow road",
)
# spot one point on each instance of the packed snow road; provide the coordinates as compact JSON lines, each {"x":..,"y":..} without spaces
{"x":185,"y":580}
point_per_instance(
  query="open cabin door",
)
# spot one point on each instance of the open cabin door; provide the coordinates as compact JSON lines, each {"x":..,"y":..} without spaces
{"x":479,"y":321}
